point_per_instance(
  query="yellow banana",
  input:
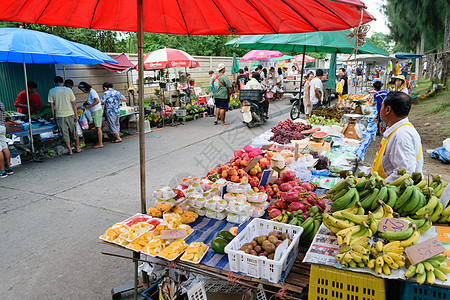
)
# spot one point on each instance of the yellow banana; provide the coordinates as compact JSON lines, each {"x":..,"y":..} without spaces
{"x":339,"y":257}
{"x":391,"y":245}
{"x":380,"y":261}
{"x":388,"y":260}
{"x":400,"y":263}
{"x":428,"y":266}
{"x":352,"y":264}
{"x":412,"y":240}
{"x":421,"y":277}
{"x":386,"y":270}
{"x":356,"y":256}
{"x":411,"y":271}
{"x":379,"y":246}
{"x":440,"y":275}
{"x":396,"y":256}
{"x":420,"y":268}
{"x":430,"y":277}
{"x":371,"y":263}
{"x":339,"y":240}
{"x":378,"y":269}
{"x":360,"y":249}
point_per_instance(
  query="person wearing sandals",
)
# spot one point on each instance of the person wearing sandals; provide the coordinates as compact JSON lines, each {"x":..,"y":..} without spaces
{"x":94,"y":105}
{"x":5,"y":155}
{"x":111,"y":99}
{"x":64,"y":112}
{"x":222,"y":90}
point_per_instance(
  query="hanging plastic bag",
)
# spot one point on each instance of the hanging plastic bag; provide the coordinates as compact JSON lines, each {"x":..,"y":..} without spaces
{"x":84,"y":122}
{"x":78,"y":129}
{"x":210,"y":102}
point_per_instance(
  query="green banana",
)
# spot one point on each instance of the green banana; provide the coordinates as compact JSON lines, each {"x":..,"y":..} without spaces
{"x":366,"y":203}
{"x":446,"y":211}
{"x":437,"y":212}
{"x":399,"y":180}
{"x":441,"y":191}
{"x":339,"y":194}
{"x":382,"y":195}
{"x":392,"y":196}
{"x":421,"y":203}
{"x":364,"y":193}
{"x":425,"y":226}
{"x":339,"y":186}
{"x":422,"y":184}
{"x":418,"y":222}
{"x":342,"y":202}
{"x":429,"y":207}
{"x":413,"y":200}
{"x":362,"y":184}
{"x":404,"y":197}
{"x":397,"y":236}
{"x":354,"y":200}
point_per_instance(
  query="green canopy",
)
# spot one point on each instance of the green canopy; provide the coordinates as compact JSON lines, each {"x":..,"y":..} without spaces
{"x":318,"y":41}
{"x":235,"y":67}
{"x":332,"y":75}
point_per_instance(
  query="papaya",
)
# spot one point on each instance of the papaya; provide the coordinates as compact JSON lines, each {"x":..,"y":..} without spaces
{"x":226,"y":235}
{"x":218,"y":244}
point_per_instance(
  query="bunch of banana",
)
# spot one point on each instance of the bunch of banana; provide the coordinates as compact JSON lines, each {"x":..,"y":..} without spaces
{"x":406,"y":237}
{"x":310,"y":227}
{"x":445,"y":217}
{"x":355,"y":209}
{"x":354,"y":253}
{"x":432,"y":206}
{"x":438,"y":185}
{"x":387,"y":257}
{"x":429,"y":270}
{"x":347,"y":235}
{"x":423,"y":223}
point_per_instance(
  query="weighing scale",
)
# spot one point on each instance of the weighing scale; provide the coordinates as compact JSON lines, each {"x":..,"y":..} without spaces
{"x":350,"y":129}
{"x":358,"y":108}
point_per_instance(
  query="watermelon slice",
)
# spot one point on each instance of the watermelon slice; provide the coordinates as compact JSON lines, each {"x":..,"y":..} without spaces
{"x":319,"y":136}
{"x":309,"y":131}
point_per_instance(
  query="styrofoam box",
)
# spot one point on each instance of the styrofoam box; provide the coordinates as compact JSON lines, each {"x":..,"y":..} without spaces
{"x":15,"y":161}
{"x":257,"y":266}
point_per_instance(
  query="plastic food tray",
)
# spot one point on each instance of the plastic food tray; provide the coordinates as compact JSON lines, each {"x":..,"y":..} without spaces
{"x":330,"y":283}
{"x":190,"y":261}
{"x":256,"y":266}
{"x":149,"y":229}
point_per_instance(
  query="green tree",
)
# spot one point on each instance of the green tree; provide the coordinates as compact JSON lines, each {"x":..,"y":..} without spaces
{"x":380,"y":40}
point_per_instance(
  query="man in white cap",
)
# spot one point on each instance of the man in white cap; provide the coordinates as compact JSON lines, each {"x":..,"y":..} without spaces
{"x":222,"y":91}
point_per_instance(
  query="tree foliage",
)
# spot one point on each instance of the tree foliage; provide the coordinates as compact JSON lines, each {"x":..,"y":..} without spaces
{"x":380,"y":40}
{"x":409,"y":19}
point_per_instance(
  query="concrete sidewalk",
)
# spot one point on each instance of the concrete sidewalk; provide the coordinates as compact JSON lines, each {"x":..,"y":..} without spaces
{"x":53,"y":213}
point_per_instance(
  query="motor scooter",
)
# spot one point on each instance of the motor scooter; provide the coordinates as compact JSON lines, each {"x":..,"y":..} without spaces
{"x":255,"y":107}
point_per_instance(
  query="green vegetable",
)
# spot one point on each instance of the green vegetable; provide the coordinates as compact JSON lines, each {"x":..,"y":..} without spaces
{"x":226,"y":235}
{"x":218,"y":244}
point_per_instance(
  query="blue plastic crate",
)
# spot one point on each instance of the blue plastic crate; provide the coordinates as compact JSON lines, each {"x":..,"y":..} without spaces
{"x":415,"y":291}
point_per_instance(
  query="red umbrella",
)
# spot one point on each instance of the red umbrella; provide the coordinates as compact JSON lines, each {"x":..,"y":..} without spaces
{"x":196,"y":17}
{"x":169,"y":58}
{"x":124,"y":64}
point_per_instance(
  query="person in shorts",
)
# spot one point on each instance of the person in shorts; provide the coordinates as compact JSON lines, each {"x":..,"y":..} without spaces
{"x":95,"y":107}
{"x":5,"y":155}
{"x":64,"y":111}
{"x":111,"y":99}
{"x":222,"y":90}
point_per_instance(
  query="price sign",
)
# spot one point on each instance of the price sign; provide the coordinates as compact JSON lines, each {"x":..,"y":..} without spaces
{"x":265,"y":177}
{"x":266,"y":147}
{"x":224,"y":190}
{"x":251,"y":164}
{"x":392,"y":225}
{"x":173,"y":234}
{"x":425,"y":250}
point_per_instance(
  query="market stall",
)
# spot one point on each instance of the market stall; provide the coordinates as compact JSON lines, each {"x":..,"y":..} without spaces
{"x":278,"y":210}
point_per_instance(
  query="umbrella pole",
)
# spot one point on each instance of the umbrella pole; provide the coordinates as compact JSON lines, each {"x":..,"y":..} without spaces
{"x":140,"y":40}
{"x":300,"y":99}
{"x":28,"y":106}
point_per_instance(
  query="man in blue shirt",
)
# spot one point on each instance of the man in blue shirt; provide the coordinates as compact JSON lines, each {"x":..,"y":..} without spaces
{"x":111,"y":99}
{"x":378,"y":98}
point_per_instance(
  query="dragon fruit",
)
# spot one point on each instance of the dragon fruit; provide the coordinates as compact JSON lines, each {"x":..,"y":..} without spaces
{"x":321,"y":204}
{"x":307,"y":186}
{"x":274,"y":213}
{"x":310,"y":200}
{"x":285,"y":187}
{"x":294,"y":206}
{"x":279,"y":181}
{"x":280,"y":204}
{"x":238,"y":153}
{"x":288,"y":175}
{"x":292,"y":197}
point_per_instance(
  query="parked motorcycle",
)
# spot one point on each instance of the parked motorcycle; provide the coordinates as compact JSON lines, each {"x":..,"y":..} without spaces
{"x":254,"y":107}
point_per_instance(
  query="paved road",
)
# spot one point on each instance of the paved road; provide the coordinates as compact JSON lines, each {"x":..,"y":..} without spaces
{"x":52,"y":213}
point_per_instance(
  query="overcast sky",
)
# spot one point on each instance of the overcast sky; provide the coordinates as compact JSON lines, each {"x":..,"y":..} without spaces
{"x":374,"y":8}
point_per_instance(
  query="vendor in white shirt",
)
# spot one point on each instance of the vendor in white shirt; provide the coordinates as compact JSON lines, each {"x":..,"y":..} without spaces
{"x":401,"y":146}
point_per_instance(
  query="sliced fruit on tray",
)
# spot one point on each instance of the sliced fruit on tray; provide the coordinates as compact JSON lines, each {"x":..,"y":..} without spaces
{"x":319,"y":136}
{"x":309,"y":131}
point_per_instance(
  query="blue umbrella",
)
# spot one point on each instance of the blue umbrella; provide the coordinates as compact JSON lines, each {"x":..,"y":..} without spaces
{"x":24,"y":46}
{"x":19,"y":45}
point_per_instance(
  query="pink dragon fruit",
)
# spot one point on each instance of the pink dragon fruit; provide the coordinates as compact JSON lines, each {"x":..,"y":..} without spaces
{"x":292,"y":197}
{"x":294,"y":206}
{"x":238,"y":153}
{"x":274,"y":213}
{"x":279,"y":181}
{"x":280,"y":204}
{"x":288,"y":176}
{"x":307,"y":186}
{"x":248,"y":148}
{"x":285,"y":187}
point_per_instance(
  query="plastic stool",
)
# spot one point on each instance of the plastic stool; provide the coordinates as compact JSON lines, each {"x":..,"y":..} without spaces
{"x":204,"y":114}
